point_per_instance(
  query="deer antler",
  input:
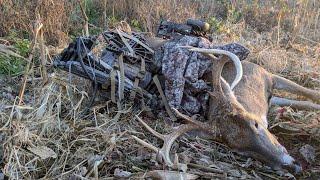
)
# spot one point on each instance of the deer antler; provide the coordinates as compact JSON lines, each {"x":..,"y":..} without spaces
{"x":222,"y":91}
{"x":168,"y":139}
{"x":222,"y":94}
{"x":236,"y":61}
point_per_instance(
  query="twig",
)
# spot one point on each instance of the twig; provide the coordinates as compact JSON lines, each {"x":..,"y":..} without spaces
{"x":43,"y":56}
{"x":105,"y":23}
{"x":208,"y":169}
{"x":310,"y":40}
{"x":86,"y":19}
{"x":279,"y":27}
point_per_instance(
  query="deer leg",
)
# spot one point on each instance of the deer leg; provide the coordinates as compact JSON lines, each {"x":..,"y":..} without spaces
{"x":306,"y":105}
{"x":290,"y":86}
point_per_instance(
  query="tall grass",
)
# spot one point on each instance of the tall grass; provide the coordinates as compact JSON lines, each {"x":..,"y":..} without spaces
{"x":62,"y":18}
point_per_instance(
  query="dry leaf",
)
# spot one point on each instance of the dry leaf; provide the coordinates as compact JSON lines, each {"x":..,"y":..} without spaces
{"x":120,"y":173}
{"x":170,"y":175}
{"x":308,"y":153}
{"x":43,"y":152}
{"x":289,"y":126}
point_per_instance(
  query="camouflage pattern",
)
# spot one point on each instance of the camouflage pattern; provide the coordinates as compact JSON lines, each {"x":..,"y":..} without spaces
{"x":185,"y":88}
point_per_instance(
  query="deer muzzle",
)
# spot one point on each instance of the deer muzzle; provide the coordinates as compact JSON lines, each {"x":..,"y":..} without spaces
{"x":267,"y":149}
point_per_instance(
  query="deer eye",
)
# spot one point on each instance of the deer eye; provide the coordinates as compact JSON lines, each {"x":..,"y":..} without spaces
{"x":256,"y":125}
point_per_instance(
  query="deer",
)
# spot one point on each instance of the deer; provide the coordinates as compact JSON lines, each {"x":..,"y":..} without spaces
{"x":239,"y":112}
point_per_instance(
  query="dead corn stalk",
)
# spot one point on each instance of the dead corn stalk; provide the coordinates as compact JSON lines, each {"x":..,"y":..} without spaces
{"x":37,"y":26}
{"x":43,"y":56}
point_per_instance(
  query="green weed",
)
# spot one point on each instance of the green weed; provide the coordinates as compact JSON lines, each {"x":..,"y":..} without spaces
{"x":12,"y":65}
{"x":136,"y":25}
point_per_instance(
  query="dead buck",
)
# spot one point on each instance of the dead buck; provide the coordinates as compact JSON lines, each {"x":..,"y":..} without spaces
{"x":240,"y":114}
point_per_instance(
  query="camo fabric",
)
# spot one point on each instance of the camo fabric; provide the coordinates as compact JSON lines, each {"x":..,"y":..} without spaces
{"x":183,"y":70}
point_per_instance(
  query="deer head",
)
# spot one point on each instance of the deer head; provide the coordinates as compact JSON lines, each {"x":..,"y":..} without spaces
{"x":242,"y":131}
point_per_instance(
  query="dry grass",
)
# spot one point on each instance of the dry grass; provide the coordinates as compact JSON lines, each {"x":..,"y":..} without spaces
{"x":50,"y":137}
{"x":62,"y":18}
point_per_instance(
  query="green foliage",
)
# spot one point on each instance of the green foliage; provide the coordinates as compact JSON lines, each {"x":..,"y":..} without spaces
{"x":91,"y":10}
{"x":113,"y":20}
{"x":94,"y":16}
{"x":216,"y":25}
{"x":136,"y":25}
{"x":22,"y":46}
{"x":95,"y":30}
{"x":12,"y":65}
{"x":233,"y":15}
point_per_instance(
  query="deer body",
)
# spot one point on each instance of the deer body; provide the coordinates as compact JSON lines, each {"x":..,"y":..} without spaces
{"x":245,"y":120}
{"x":239,"y":111}
{"x":255,"y":90}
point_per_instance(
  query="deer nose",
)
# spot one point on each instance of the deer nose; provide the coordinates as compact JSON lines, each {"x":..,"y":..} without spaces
{"x":294,"y":167}
{"x":297,"y":167}
{"x":290,"y":163}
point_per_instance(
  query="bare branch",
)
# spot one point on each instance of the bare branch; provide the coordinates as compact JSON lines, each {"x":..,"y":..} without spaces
{"x":85,"y":17}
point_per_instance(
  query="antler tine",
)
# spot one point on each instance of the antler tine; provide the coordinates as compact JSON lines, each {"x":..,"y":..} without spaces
{"x":145,"y":144}
{"x":158,"y":135}
{"x":199,"y":124}
{"x":168,"y":140}
{"x":236,"y":61}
